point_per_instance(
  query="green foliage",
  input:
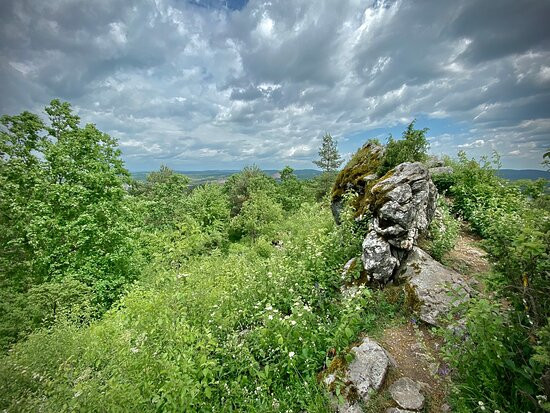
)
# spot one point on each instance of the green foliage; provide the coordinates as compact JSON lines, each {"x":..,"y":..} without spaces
{"x":517,"y":237}
{"x":542,"y":358}
{"x":322,"y":185}
{"x":258,"y":215}
{"x":163,"y":195}
{"x":246,"y":330}
{"x":443,"y":231}
{"x":489,"y":361}
{"x":63,"y":212}
{"x":411,"y":148}
{"x":329,"y":158}
{"x":292,"y":192}
{"x":239,"y":187}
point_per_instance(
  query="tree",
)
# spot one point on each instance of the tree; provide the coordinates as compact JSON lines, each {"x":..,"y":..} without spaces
{"x":239,"y":187}
{"x":329,"y":158}
{"x":165,"y":193}
{"x":291,"y":191}
{"x":411,"y":148}
{"x":64,"y":217}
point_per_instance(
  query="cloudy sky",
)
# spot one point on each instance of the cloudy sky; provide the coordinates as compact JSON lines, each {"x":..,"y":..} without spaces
{"x":219,"y":84}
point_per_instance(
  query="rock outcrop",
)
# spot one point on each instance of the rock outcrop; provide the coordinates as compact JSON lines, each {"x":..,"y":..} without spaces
{"x":429,"y":284}
{"x":402,"y":204}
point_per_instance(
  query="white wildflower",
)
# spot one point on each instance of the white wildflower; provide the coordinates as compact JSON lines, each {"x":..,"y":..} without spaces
{"x":291,"y":354}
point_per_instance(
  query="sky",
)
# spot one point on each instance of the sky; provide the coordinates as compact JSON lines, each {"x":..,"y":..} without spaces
{"x":220,"y":84}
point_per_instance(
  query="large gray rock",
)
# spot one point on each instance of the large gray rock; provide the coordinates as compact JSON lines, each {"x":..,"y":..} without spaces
{"x":403,"y":203}
{"x":368,"y":370}
{"x":429,"y":285}
{"x":406,"y":393}
{"x":398,"y":410}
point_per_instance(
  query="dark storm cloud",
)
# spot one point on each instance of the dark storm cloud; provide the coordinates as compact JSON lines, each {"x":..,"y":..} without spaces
{"x":222,"y":83}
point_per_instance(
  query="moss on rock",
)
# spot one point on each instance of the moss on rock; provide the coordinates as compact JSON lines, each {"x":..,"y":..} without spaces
{"x":364,"y":163}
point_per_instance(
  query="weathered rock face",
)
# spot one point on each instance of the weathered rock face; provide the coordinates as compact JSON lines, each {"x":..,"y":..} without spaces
{"x":399,"y":205}
{"x":406,"y":393}
{"x":403,"y":204}
{"x":428,"y":286}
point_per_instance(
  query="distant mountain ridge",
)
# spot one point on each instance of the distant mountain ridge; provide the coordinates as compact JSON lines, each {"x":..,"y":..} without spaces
{"x":515,"y":174}
{"x":222,"y":175}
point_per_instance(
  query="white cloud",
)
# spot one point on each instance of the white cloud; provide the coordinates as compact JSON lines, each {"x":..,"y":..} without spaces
{"x":186,"y":84}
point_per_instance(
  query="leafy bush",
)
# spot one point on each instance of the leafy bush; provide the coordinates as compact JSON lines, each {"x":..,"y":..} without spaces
{"x":163,"y":195}
{"x":443,"y":231}
{"x":258,"y":216}
{"x":489,"y":362}
{"x":292,"y":192}
{"x":517,"y":237}
{"x":411,"y":148}
{"x":239,"y":187}
{"x":235,"y":331}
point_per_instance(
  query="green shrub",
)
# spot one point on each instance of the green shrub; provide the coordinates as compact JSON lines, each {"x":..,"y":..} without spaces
{"x":258,"y":215}
{"x":239,"y":187}
{"x":243,"y":330}
{"x":443,"y":231}
{"x":411,"y":148}
{"x":517,"y":237}
{"x":488,"y":359}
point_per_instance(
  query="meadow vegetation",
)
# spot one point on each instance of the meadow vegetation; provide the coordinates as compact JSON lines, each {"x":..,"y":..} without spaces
{"x":120,"y":295}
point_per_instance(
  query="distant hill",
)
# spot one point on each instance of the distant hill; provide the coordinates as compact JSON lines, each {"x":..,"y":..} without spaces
{"x":515,"y":174}
{"x":198,"y":177}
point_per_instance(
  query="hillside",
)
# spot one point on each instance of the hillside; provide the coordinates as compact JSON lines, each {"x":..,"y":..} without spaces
{"x":361,"y":291}
{"x":198,"y":177}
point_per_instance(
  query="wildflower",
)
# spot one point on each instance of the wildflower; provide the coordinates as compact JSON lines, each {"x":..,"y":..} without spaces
{"x":291,"y":354}
{"x":268,"y":307}
{"x":292,"y":322}
{"x":270,"y":317}
{"x":134,"y":350}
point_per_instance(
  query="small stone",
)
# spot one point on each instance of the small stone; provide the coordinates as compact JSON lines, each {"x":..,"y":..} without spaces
{"x":347,"y":407}
{"x":329,"y":379}
{"x":445,"y":408}
{"x":398,"y":410}
{"x":368,"y":370}
{"x":406,"y":393}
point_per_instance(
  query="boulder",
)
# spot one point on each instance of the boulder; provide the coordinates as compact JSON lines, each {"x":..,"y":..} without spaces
{"x":367,"y":371}
{"x":428,"y":284}
{"x":406,"y":393}
{"x":402,"y":203}
{"x":398,"y":410}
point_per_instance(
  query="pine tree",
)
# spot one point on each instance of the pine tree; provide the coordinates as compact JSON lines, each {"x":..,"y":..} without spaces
{"x":328,"y":153}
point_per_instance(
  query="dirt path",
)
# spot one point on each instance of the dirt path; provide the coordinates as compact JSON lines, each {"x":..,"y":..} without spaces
{"x":416,"y":350}
{"x":467,"y":257}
